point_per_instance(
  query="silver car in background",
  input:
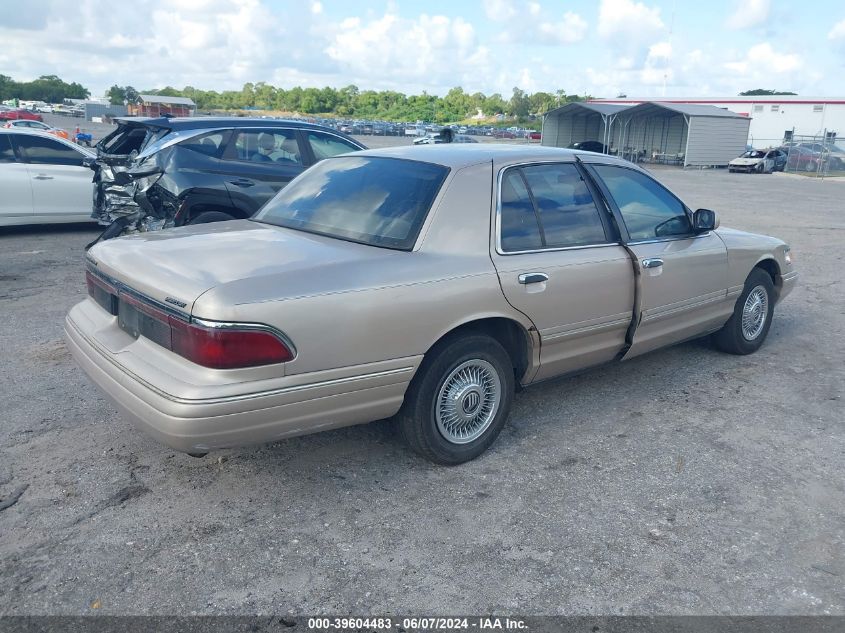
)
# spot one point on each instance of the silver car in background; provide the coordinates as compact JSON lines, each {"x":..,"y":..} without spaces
{"x":426,"y":283}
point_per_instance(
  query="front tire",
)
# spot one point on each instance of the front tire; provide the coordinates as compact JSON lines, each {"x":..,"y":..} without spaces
{"x":459,"y":401}
{"x":749,"y":325}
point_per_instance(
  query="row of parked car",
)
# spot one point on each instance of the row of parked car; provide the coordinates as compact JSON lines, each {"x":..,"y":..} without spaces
{"x":809,"y":157}
{"x":392,"y":128}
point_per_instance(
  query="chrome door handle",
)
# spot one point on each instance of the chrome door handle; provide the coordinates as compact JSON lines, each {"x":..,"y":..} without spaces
{"x":42,"y":177}
{"x":654,"y":262}
{"x":242,"y":182}
{"x":533,"y":278}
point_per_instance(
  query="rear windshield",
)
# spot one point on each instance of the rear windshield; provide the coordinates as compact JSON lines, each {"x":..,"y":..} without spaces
{"x":372,"y":200}
{"x":128,"y":138}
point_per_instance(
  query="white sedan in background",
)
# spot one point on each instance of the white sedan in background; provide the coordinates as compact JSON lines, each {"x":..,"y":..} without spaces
{"x":754,"y":161}
{"x":42,"y":179}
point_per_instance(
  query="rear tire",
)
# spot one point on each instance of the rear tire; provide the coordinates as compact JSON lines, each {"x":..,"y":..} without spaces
{"x":459,"y":400}
{"x":749,"y":325}
{"x":211,"y":216}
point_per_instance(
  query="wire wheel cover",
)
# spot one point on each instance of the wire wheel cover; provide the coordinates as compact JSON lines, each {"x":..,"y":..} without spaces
{"x":468,"y":401}
{"x":754,"y":313}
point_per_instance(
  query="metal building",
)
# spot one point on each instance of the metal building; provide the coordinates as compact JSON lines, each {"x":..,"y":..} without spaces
{"x":101,"y":110}
{"x":682,"y":134}
{"x":580,"y":121}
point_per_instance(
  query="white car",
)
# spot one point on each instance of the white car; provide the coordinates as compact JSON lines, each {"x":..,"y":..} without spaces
{"x":754,"y":160}
{"x":42,"y":179}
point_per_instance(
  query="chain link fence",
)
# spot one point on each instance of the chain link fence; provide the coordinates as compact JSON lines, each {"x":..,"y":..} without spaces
{"x":818,"y":156}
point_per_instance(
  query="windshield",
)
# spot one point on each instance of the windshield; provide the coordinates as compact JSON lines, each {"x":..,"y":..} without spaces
{"x":753,"y":154}
{"x":372,"y":200}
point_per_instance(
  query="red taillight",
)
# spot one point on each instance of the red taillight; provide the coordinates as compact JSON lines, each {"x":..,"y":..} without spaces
{"x":226,"y":347}
{"x":206,"y":343}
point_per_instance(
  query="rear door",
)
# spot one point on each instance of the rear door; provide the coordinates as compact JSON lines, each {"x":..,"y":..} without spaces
{"x":16,"y":199}
{"x":61,"y":186}
{"x":258,"y":162}
{"x":682,"y":276}
{"x":560,"y":263}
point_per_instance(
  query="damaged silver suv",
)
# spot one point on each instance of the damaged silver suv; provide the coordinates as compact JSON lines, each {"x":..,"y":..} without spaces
{"x":152,"y":174}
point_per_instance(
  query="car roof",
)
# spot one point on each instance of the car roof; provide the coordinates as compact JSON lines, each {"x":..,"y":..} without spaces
{"x":44,"y":134}
{"x":466,"y":154}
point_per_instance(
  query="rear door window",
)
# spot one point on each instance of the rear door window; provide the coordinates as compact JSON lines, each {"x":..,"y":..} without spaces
{"x":44,"y":151}
{"x":567,"y":212}
{"x":265,"y":146}
{"x":520,"y":228}
{"x":548,"y":206}
{"x":7,"y":152}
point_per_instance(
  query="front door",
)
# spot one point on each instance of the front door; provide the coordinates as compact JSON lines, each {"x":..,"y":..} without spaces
{"x":682,"y":288}
{"x":560,"y":263}
{"x":61,"y":186}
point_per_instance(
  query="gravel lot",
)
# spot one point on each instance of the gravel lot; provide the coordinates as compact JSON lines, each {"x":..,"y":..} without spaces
{"x":683,"y":482}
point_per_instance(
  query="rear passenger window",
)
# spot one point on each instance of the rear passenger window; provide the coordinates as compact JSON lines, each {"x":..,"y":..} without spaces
{"x":520,"y":230}
{"x":548,"y":206}
{"x":265,"y":146}
{"x":44,"y":151}
{"x":7,"y":154}
{"x":568,"y":215}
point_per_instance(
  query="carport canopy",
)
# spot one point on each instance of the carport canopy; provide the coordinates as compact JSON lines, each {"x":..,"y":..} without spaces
{"x":681,"y":133}
{"x":581,"y":121}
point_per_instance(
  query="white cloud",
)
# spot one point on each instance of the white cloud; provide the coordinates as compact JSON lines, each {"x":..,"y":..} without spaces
{"x":500,"y":10}
{"x":657,"y":69}
{"x":572,"y":28}
{"x":837,"y":32}
{"x":749,"y":13}
{"x":762,"y":59}
{"x":543,"y":28}
{"x":443,"y":49}
{"x":628,"y":19}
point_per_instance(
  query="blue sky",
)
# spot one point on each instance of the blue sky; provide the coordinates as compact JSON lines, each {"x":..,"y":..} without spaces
{"x":604,"y":47}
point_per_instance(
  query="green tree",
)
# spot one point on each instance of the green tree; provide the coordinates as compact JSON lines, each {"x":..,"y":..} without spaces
{"x":758,"y":92}
{"x":519,"y":104}
{"x":116,"y":95}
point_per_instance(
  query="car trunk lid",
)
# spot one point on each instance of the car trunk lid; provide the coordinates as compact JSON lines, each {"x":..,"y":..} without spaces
{"x":177,"y":266}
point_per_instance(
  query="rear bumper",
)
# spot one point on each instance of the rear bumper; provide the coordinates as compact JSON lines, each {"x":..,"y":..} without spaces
{"x":305,"y":404}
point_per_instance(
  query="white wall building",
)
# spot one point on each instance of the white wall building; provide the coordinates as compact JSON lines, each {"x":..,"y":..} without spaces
{"x":771,"y":116}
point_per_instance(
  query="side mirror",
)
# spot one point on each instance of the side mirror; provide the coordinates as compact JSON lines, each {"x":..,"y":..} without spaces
{"x":704,"y":220}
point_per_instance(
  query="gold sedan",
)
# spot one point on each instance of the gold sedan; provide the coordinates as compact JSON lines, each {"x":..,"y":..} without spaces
{"x":425,"y":283}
